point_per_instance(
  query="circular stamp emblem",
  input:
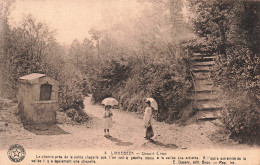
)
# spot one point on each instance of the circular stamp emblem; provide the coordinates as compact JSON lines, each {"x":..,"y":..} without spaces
{"x":16,"y":153}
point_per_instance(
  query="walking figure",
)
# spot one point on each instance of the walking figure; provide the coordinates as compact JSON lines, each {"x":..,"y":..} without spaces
{"x":147,"y":121}
{"x":108,"y":120}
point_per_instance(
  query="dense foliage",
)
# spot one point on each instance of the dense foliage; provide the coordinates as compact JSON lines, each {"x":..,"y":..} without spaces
{"x":142,"y":52}
{"x":138,"y":56}
{"x":131,"y":82}
{"x":110,"y":77}
{"x":230,"y":30}
{"x":32,"y":48}
{"x":241,"y":117}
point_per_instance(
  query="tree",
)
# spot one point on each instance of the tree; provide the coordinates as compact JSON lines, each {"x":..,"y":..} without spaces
{"x":75,"y":52}
{"x":138,"y":58}
{"x":230,"y":30}
{"x":24,"y":48}
{"x":4,"y":33}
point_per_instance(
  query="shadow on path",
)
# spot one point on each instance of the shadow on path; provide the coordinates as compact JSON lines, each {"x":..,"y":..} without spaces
{"x":171,"y":146}
{"x":119,"y":142}
{"x":45,"y":129}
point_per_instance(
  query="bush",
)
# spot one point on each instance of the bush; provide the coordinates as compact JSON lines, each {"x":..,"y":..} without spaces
{"x":70,"y":94}
{"x":132,"y":82}
{"x":168,"y":84}
{"x":241,"y":118}
{"x":236,"y":45}
{"x":71,"y":102}
{"x":36,"y":51}
{"x":77,"y":115}
{"x":110,"y":77}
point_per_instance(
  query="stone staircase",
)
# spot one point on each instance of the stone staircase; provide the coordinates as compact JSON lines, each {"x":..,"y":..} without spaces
{"x":205,"y":98}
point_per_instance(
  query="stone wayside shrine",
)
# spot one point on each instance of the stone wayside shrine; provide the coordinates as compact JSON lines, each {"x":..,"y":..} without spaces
{"x":38,"y":99}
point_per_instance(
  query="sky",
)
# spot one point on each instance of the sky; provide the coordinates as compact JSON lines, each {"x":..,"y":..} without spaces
{"x":72,"y":19}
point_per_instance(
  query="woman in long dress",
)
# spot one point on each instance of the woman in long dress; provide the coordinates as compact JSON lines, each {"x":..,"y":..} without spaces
{"x":108,"y":123}
{"x":147,"y":120}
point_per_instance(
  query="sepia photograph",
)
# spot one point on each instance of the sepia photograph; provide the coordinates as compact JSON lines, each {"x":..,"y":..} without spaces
{"x":129,"y":82}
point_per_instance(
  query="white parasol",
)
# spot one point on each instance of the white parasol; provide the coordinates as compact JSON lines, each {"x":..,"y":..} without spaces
{"x":153,"y":103}
{"x":110,"y":101}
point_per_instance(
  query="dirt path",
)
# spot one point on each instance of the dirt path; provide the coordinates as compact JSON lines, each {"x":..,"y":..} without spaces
{"x":128,"y":127}
{"x":127,"y":133}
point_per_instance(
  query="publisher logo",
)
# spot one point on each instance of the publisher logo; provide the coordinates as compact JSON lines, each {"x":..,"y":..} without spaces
{"x":16,"y":153}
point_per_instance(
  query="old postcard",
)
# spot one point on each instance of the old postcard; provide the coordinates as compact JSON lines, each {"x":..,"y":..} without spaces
{"x":129,"y":82}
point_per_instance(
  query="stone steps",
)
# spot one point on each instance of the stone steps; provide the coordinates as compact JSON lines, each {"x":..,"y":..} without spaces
{"x":204,"y":63}
{"x":201,"y":75}
{"x":206,"y":96}
{"x":204,"y":82}
{"x":200,"y":70}
{"x":197,"y":55}
{"x":205,"y":88}
{"x":204,"y":91}
{"x":208,"y":115}
{"x":206,"y":59}
{"x":205,"y":100}
{"x":194,"y":67}
{"x":209,"y":105}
